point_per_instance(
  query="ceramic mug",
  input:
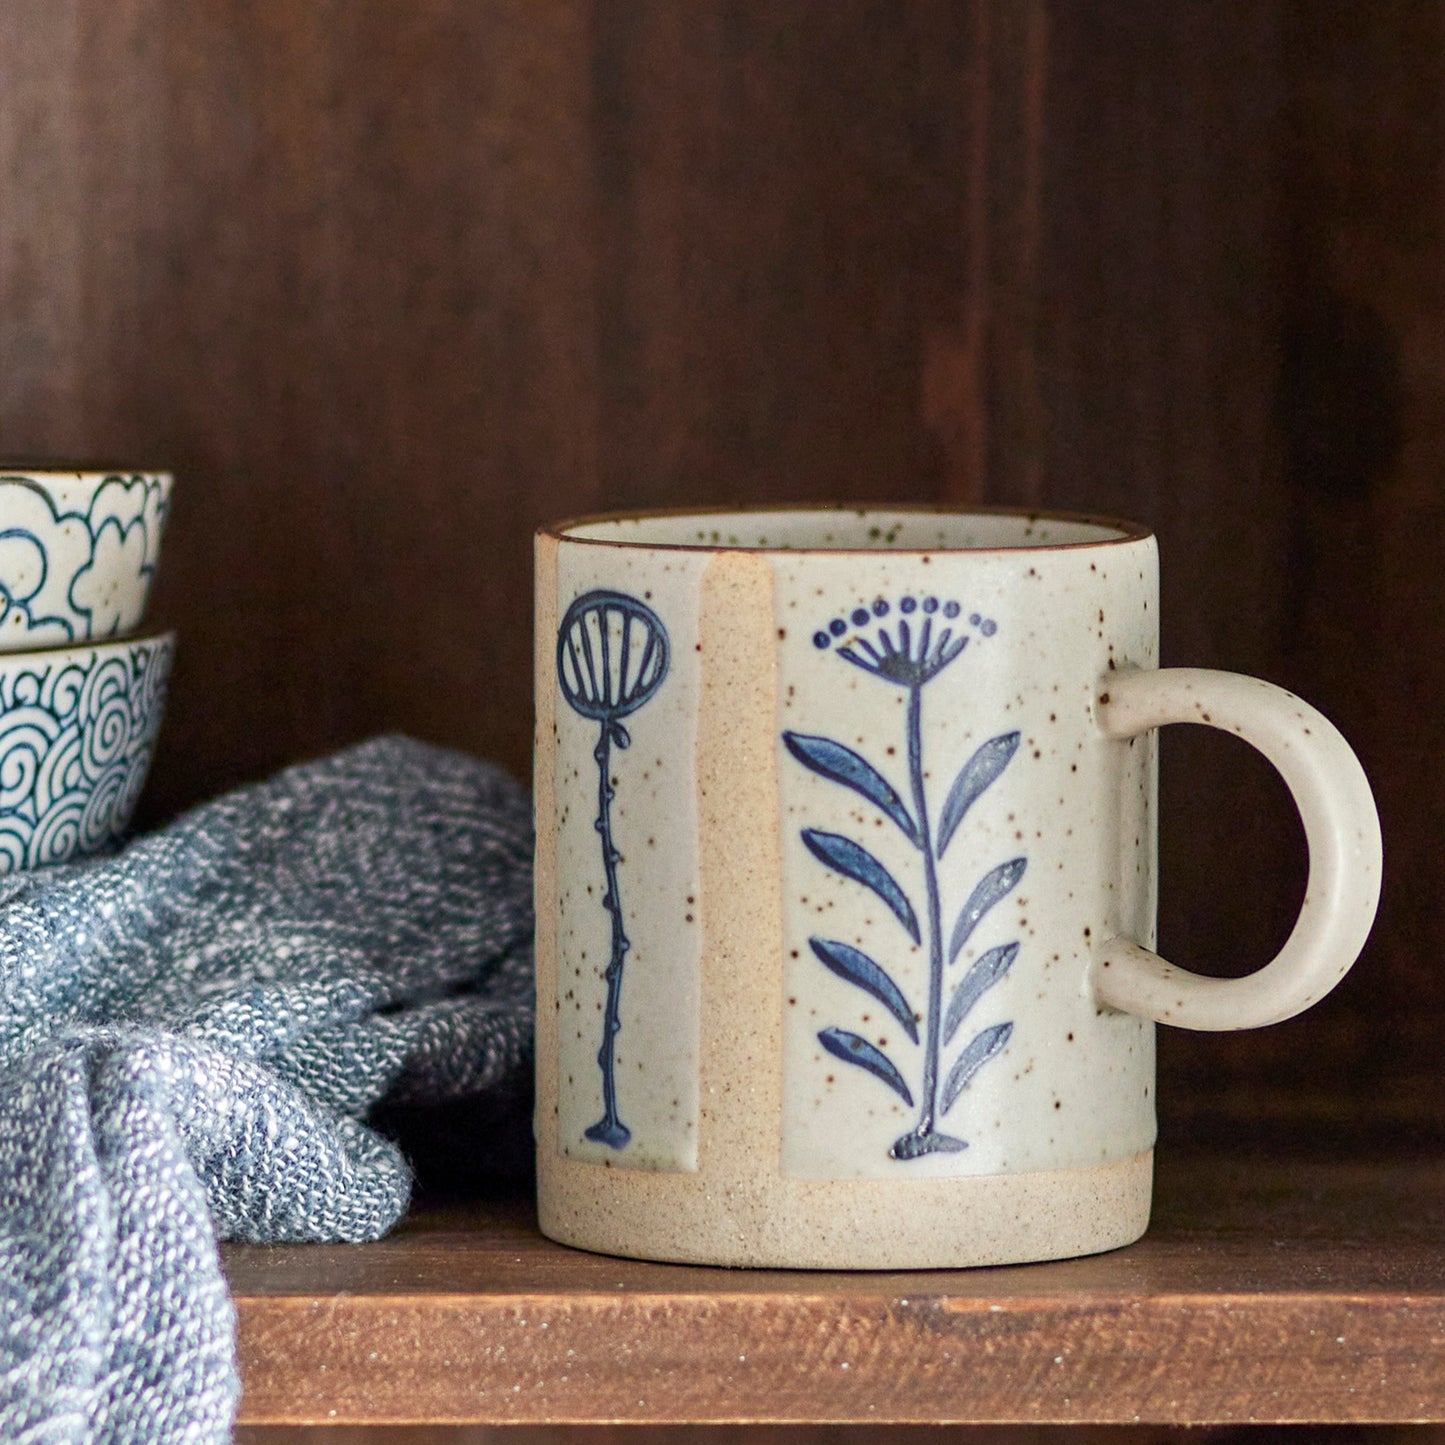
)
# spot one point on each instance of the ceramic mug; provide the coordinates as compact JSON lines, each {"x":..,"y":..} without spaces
{"x":846,"y":883}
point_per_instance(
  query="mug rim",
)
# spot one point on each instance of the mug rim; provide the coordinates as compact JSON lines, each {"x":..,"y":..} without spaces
{"x":1128,"y":531}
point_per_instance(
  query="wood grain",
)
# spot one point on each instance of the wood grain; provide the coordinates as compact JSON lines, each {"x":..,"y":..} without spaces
{"x":389,"y":285}
{"x":1263,"y":1293}
{"x":814,"y":1435}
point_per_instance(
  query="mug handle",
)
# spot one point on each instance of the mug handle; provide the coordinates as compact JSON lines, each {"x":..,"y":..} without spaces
{"x":1342,"y":830}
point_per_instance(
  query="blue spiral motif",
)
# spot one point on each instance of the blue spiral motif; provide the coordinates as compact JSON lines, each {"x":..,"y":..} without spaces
{"x":137,"y":765}
{"x":57,"y":834}
{"x":60,"y":771}
{"x":105,"y":713}
{"x":27,"y":735}
{"x":97,"y":816}
{"x":60,"y":690}
{"x":75,"y":745}
{"x":12,"y":847}
{"x":148,"y":699}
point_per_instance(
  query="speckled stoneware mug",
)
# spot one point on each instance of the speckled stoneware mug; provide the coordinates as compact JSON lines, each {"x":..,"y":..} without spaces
{"x":845,"y":883}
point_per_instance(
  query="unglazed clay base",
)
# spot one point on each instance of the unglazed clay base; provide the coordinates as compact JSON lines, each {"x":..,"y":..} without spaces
{"x":779,"y":1223}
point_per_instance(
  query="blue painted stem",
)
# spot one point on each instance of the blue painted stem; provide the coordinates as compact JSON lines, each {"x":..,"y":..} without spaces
{"x":609,"y":1129}
{"x":923,"y":1138}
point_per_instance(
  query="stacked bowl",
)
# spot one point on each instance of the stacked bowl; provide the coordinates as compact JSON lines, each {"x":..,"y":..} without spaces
{"x":81,"y":691}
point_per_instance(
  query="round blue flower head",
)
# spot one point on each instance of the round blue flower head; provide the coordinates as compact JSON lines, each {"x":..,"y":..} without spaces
{"x":611,"y":656}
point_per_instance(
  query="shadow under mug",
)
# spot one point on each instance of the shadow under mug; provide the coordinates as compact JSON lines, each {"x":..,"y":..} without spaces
{"x":846,"y":883}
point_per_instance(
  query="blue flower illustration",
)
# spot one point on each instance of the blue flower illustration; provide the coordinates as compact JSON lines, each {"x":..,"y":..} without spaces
{"x":612,"y":656}
{"x":909,"y":647}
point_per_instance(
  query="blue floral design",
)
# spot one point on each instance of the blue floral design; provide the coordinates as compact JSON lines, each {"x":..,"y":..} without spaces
{"x":908,"y":649}
{"x":76,"y":740}
{"x":612,"y":656}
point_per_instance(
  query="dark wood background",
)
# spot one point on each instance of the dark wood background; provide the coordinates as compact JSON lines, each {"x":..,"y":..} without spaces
{"x":389,"y":284}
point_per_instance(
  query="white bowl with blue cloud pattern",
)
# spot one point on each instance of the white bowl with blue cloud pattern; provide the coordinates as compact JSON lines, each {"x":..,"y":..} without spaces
{"x":78,"y":553}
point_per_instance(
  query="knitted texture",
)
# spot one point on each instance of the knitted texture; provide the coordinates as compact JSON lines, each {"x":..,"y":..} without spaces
{"x":191,"y":1032}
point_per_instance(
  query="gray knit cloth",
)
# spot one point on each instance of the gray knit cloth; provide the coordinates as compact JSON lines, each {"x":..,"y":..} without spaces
{"x":190,"y":1034}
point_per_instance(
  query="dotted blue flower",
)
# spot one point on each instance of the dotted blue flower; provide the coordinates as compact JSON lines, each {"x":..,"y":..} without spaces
{"x":909,"y":651}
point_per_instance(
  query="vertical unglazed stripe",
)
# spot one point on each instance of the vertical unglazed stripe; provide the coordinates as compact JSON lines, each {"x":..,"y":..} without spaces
{"x":742,"y":909}
{"x":544,"y":793}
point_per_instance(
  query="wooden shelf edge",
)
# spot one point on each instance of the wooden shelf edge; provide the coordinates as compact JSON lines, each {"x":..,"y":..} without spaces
{"x":1265,"y":1293}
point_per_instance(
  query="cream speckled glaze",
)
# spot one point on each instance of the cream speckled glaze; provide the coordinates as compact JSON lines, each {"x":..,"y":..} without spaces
{"x":845,"y":883}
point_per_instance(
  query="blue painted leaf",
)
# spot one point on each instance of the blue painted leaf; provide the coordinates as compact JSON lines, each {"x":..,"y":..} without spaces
{"x":991,"y":887}
{"x":980,"y":1050}
{"x":857,"y":863}
{"x":916,"y":1145}
{"x":975,"y":775}
{"x":853,"y":1050}
{"x":859,"y":969}
{"x":842,"y":765}
{"x":982,"y":974}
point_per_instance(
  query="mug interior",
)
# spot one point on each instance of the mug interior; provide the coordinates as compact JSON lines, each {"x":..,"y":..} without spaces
{"x":852,"y":529}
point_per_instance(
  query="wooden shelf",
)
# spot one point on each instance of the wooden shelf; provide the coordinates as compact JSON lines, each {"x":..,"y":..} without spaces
{"x":1269,"y":1291}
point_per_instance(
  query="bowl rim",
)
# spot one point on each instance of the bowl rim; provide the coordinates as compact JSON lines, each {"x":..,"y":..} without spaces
{"x":154,"y":641}
{"x":93,"y":474}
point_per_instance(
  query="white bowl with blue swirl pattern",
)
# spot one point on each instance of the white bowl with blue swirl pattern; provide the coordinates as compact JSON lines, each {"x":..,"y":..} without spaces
{"x":78,"y":552}
{"x":77,"y":730}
